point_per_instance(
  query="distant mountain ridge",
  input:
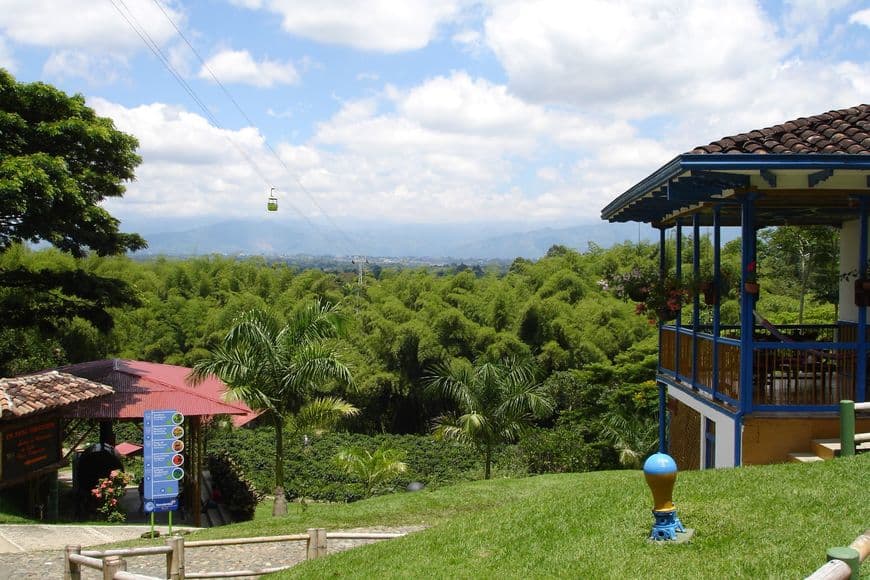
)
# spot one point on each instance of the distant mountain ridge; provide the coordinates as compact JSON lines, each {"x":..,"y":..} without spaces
{"x":459,"y":241}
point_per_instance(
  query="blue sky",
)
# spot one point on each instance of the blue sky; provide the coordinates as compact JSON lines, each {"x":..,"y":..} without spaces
{"x":513,"y":111}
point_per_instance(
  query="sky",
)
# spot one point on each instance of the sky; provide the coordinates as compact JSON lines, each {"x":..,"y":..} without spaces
{"x":528,"y":112}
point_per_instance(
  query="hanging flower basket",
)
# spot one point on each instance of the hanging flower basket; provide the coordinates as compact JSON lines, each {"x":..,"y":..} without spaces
{"x":710,"y":292}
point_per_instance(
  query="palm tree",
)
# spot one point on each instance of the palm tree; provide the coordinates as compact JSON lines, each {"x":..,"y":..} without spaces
{"x":633,"y":436}
{"x":275,"y":367}
{"x":496,"y":402}
{"x":372,"y":469}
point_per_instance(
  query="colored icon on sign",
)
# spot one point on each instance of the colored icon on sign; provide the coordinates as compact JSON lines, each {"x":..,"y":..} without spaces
{"x":177,"y":418}
{"x":177,"y":432}
{"x":178,"y":445}
{"x":177,"y":473}
{"x":177,"y":459}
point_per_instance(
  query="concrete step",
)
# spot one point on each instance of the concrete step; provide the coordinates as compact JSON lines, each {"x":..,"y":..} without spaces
{"x":826,"y":448}
{"x":830,"y":448}
{"x":804,"y":457}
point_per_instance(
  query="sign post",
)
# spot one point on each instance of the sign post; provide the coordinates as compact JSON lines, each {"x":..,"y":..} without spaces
{"x":163,"y":462}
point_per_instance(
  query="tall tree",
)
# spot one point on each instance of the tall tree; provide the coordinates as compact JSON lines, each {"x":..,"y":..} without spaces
{"x":276,"y":367}
{"x":495,"y":401}
{"x":58,"y":160}
{"x":804,"y":259}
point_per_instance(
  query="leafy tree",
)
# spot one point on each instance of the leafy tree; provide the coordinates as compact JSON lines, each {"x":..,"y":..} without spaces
{"x":496,"y":402}
{"x":372,"y":469}
{"x":634,"y":437}
{"x":803,"y":259}
{"x":276,"y":367}
{"x":58,"y":160}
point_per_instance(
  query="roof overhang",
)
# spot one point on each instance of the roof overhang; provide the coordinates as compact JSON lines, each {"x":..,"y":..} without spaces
{"x":788,"y":189}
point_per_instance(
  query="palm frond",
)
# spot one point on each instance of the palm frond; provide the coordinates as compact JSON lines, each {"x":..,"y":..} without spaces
{"x":323,"y":413}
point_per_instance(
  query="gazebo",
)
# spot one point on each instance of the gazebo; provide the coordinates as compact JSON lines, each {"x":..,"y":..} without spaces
{"x":140,"y":386}
{"x":750,"y":393}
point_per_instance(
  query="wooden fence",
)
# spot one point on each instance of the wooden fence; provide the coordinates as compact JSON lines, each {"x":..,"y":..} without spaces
{"x":113,"y":564}
{"x":844,"y":569}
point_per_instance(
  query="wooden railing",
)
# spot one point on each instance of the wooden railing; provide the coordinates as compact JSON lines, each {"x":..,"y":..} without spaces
{"x":113,"y":565}
{"x":784,"y":374}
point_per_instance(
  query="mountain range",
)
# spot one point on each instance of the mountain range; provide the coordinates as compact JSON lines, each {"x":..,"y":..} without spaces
{"x":459,"y":241}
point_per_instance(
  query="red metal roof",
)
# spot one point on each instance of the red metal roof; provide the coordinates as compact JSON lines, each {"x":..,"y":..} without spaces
{"x":142,"y":386}
{"x":126,"y":449}
{"x":36,"y":392}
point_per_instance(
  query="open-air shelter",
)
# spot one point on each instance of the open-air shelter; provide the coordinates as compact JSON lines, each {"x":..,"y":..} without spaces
{"x":749,"y":393}
{"x":141,"y":386}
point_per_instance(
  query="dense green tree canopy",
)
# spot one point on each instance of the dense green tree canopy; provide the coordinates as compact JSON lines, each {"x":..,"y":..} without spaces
{"x":58,"y":160}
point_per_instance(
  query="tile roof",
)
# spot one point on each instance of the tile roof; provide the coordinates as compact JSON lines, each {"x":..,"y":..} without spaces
{"x":29,"y":394}
{"x":846,"y":131}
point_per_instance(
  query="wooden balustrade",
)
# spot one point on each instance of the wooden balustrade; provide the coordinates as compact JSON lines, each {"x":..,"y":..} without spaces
{"x":785,"y":375}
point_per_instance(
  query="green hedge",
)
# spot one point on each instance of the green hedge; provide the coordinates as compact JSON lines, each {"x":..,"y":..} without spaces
{"x":310,"y":472}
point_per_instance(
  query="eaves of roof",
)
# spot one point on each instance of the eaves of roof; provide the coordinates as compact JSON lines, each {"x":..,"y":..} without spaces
{"x":732,"y":162}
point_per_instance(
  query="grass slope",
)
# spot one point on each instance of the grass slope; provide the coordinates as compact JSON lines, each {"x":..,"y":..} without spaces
{"x":771,"y":521}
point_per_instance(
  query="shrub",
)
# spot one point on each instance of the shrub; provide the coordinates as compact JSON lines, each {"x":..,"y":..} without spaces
{"x":237,"y":493}
{"x":563,"y":449}
{"x":109,"y":491}
{"x":312,"y":473}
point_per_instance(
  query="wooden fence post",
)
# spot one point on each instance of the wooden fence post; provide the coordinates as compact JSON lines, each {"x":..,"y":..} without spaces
{"x":175,"y":558}
{"x":848,"y":555}
{"x":71,"y":570}
{"x":316,"y":543}
{"x":321,"y":542}
{"x":112,"y":565}
{"x":847,"y":428}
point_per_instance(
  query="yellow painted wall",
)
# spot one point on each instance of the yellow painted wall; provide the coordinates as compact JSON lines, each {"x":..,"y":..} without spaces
{"x":771,"y":439}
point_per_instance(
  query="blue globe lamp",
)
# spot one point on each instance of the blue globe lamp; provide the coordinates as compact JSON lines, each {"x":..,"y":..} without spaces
{"x":660,"y":472}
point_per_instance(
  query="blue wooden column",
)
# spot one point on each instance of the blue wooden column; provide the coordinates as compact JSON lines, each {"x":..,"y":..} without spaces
{"x":678,"y":272}
{"x":663,"y":394}
{"x":861,"y":368}
{"x":747,"y":320}
{"x":717,"y":283}
{"x":696,"y":298}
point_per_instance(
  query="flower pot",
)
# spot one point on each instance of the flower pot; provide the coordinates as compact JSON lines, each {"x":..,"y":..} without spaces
{"x":862,"y":292}
{"x":710,"y":292}
{"x":638,"y":294}
{"x":751,"y":287}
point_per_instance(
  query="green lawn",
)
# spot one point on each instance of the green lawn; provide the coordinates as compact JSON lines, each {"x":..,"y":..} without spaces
{"x":760,"y":522}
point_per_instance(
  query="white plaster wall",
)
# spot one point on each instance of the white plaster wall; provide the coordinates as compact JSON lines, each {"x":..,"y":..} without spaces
{"x":725,"y":428}
{"x":850,"y":236}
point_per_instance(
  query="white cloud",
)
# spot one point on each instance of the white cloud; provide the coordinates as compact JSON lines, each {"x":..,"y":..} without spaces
{"x":804,"y":20}
{"x":95,"y":68}
{"x":7,"y":61}
{"x":238,"y":66}
{"x":189,"y":167}
{"x":85,"y":24}
{"x":861,"y":17}
{"x":374,"y":25}
{"x":638,"y":58}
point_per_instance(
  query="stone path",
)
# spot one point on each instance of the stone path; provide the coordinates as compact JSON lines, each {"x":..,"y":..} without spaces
{"x":47,"y":562}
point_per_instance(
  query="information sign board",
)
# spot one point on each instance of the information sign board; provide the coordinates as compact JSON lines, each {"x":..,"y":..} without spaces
{"x":163,"y":431}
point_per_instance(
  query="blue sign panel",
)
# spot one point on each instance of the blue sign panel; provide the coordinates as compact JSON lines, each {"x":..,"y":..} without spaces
{"x":163,"y":469}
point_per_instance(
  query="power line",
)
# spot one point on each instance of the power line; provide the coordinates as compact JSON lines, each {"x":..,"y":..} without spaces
{"x":250,"y":122}
{"x":146,"y":38}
